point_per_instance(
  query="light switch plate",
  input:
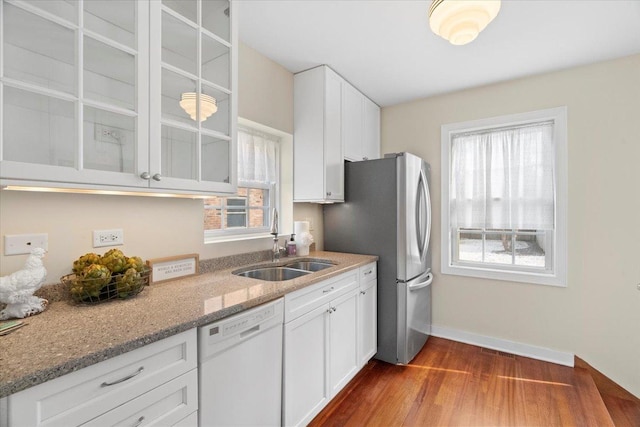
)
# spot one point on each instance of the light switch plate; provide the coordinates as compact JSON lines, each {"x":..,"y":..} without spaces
{"x":18,"y":244}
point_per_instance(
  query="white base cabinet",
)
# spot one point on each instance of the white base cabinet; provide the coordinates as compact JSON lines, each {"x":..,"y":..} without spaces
{"x":153,"y":385}
{"x":343,"y":351}
{"x":329,"y":334}
{"x":320,"y":352}
{"x":305,"y":367}
{"x":165,"y":405}
{"x":367,"y":314}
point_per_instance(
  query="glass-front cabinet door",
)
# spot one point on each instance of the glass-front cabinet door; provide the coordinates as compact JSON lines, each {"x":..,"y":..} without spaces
{"x":74,"y":92}
{"x":193,"y":95}
{"x":122,"y":94}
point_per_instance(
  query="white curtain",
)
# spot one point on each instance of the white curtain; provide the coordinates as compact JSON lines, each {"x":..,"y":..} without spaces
{"x":257,"y":155}
{"x":503,"y":178}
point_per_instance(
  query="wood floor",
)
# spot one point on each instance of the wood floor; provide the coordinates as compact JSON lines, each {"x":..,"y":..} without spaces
{"x":455,"y":384}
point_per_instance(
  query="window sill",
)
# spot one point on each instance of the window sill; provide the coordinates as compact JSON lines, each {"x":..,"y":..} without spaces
{"x":547,"y":279}
{"x":236,"y":238}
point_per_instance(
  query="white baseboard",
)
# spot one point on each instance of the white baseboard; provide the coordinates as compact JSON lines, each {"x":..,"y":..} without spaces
{"x":521,"y":349}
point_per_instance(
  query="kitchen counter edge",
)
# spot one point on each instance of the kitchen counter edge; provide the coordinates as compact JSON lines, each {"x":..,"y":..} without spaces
{"x":345,"y":262}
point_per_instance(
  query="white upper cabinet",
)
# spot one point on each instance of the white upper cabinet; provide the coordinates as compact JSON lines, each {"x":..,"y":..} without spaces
{"x":360,"y":125}
{"x":318,"y":157}
{"x":352,"y":123}
{"x":92,"y":93}
{"x":193,"y":95}
{"x":333,"y":122}
{"x":371,"y":132}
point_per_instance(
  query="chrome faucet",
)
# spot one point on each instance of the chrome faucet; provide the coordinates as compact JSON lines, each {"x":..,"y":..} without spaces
{"x":275,"y":252}
{"x":274,"y":222}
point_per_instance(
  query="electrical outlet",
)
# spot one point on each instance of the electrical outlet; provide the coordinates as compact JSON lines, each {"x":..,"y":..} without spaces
{"x":17,"y":244}
{"x":310,"y":223}
{"x":113,"y":237}
{"x":107,"y":134}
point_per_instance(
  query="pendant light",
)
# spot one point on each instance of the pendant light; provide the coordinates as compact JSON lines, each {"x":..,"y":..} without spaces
{"x":208,"y":105}
{"x":460,"y":21}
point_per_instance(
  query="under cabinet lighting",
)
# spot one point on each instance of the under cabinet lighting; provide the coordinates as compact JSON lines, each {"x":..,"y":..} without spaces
{"x":102,"y":192}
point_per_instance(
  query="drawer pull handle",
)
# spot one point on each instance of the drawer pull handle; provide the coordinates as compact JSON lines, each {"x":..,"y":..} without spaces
{"x":363,"y":292}
{"x":331,"y":310}
{"x":128,"y":377}
{"x":326,"y":291}
{"x":368,"y":272}
{"x":140,"y":420}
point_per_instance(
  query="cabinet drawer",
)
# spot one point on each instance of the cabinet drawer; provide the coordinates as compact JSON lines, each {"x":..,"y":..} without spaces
{"x":83,"y":395}
{"x":190,"y":420}
{"x":303,"y":301}
{"x":368,"y":272}
{"x":163,"y":406}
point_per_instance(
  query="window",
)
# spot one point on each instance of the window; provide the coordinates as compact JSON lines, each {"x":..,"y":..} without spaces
{"x":247,"y":212}
{"x":504,"y":198}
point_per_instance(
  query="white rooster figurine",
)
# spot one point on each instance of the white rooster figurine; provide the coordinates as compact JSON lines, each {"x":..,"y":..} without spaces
{"x":16,"y":289}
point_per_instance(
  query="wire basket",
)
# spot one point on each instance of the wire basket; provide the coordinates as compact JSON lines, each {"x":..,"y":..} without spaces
{"x":94,"y":291}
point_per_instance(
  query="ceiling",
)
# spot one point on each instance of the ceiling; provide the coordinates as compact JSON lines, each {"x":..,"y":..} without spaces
{"x":386,"y":49}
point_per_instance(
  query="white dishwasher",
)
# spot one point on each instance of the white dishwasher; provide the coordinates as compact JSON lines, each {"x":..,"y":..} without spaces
{"x":240,"y":372}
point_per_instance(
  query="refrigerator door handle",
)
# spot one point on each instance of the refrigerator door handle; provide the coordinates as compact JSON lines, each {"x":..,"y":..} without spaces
{"x":421,"y":285}
{"x":423,"y":211}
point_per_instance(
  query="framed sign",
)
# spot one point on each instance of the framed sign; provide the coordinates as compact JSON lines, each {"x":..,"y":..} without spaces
{"x":173,"y":267}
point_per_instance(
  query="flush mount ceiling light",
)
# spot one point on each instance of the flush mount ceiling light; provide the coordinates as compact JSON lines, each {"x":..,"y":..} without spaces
{"x":460,"y":21}
{"x":208,"y":105}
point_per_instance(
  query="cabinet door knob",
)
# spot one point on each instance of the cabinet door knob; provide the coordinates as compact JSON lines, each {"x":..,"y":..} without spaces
{"x":328,"y":193}
{"x":145,"y":175}
{"x":365,"y":158}
{"x":157,"y":177}
{"x":363,"y":292}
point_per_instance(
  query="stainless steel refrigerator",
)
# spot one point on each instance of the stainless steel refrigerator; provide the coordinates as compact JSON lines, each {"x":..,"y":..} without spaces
{"x":387,"y":212}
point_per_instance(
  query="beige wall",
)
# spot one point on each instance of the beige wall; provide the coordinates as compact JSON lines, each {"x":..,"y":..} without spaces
{"x":153,"y":227}
{"x":597,"y":317}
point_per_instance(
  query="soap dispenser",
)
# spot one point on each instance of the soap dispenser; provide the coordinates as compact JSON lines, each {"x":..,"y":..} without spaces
{"x":291,"y":246}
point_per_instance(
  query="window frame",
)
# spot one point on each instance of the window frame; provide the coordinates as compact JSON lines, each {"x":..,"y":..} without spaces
{"x":280,"y":194}
{"x":557,"y":275}
{"x":238,"y":233}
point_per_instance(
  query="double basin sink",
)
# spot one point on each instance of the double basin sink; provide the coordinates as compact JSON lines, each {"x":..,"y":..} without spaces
{"x":285,"y":272}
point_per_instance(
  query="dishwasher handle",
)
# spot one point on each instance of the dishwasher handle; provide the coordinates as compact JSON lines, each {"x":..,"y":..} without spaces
{"x":250,"y":331}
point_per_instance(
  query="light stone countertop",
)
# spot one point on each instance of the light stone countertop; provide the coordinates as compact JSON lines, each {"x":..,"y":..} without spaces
{"x":67,"y":337}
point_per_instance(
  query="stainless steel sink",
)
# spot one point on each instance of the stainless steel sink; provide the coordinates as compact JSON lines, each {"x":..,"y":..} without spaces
{"x":289,"y":271}
{"x":273,"y":274}
{"x":310,"y":265}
